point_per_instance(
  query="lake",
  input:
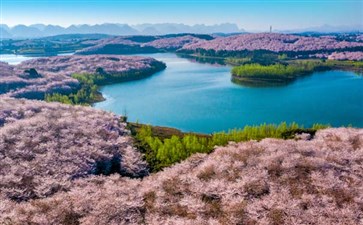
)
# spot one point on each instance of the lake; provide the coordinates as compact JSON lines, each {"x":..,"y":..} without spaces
{"x":13,"y":59}
{"x":16,"y":59}
{"x":200,"y":97}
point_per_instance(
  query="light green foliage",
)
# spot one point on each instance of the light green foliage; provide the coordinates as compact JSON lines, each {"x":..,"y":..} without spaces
{"x":318,"y":126}
{"x":168,"y":151}
{"x":344,"y":64}
{"x":58,"y":98}
{"x":275,"y":70}
{"x":85,"y":95}
{"x":88,"y":93}
{"x":282,"y":57}
{"x":238,"y":61}
{"x":90,"y":79}
{"x":293,"y":69}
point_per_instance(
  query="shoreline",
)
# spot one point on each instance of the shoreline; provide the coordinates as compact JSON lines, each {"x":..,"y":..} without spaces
{"x":92,"y":83}
{"x":259,"y":75}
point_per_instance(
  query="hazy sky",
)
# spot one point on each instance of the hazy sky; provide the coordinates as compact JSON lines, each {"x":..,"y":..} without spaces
{"x":248,"y":14}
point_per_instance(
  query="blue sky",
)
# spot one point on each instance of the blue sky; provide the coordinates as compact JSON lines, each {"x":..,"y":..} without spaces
{"x":248,"y":14}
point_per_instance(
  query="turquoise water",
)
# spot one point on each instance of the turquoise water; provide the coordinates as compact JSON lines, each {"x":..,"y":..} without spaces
{"x":201,"y":98}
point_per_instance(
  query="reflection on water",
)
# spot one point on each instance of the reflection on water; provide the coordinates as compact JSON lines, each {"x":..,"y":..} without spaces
{"x":213,"y":61}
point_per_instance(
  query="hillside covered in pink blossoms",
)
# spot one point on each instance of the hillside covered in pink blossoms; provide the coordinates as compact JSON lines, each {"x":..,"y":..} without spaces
{"x":15,"y":82}
{"x":358,"y":56}
{"x":63,"y":164}
{"x":54,"y":73}
{"x":190,"y":43}
{"x":140,"y":44}
{"x":274,"y":42}
{"x":173,"y":43}
{"x":273,"y":181}
{"x":44,"y":147}
{"x":344,"y":55}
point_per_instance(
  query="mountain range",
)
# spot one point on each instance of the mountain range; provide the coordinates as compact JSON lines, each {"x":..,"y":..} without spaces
{"x":42,"y":30}
{"x":325,"y":29}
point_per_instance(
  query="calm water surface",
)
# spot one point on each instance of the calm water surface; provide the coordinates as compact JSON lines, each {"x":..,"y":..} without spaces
{"x":16,"y":59}
{"x":201,"y":98}
{"x":13,"y":59}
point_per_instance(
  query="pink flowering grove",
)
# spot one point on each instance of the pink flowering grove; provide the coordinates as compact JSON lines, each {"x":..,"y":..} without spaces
{"x":55,"y":73}
{"x":45,"y":146}
{"x":159,"y":43}
{"x":346,"y":56}
{"x":173,"y":42}
{"x":273,"y":42}
{"x":49,"y":153}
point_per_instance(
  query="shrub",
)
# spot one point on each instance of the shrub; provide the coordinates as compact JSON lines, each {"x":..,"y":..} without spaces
{"x":167,"y":151}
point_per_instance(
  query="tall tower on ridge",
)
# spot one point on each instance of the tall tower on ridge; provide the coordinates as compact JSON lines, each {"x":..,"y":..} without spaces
{"x":270,"y":29}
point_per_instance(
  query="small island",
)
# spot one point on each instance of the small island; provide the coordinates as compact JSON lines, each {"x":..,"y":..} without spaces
{"x":255,"y":74}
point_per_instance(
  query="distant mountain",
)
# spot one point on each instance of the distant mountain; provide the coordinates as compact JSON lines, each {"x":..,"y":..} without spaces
{"x":325,"y":29}
{"x":5,"y":27}
{"x":221,"y":28}
{"x":111,"y":29}
{"x":150,"y":31}
{"x":42,"y":30}
{"x":4,"y":33}
{"x":52,"y":30}
{"x":175,"y":28}
{"x":39,"y":26}
{"x":25,"y":31}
